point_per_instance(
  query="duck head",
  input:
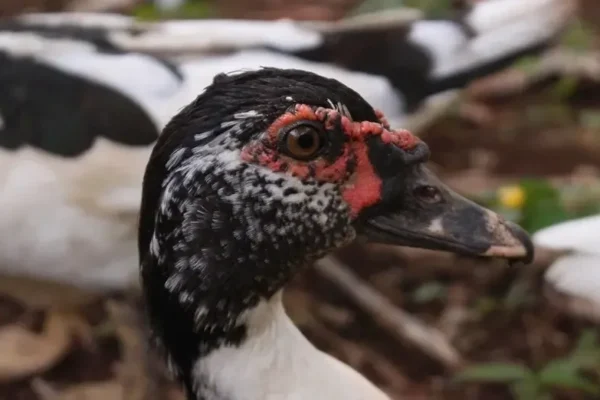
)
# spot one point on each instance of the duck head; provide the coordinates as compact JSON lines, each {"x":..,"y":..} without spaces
{"x":267,"y":171}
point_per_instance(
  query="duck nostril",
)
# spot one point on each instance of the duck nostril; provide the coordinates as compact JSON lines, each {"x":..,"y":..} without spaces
{"x":428,"y":194}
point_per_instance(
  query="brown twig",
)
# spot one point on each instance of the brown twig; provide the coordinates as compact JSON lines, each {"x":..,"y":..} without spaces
{"x":43,"y":389}
{"x":138,"y":373}
{"x":396,"y":321}
{"x":456,"y":312}
{"x":396,"y":381}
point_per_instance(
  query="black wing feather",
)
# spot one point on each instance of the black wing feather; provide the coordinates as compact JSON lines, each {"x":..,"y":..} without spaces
{"x":63,"y":114}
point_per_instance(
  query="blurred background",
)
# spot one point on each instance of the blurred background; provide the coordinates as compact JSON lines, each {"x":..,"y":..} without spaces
{"x":524,"y":140}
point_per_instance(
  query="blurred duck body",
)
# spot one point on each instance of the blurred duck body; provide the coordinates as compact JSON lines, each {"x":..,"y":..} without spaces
{"x":84,"y":97}
{"x":575,"y":275}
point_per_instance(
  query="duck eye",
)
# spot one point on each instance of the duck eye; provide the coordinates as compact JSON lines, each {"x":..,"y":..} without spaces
{"x":303,"y":141}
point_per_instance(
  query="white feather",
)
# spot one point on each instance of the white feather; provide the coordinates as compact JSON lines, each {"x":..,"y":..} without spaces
{"x":284,"y":364}
{"x":577,"y":274}
{"x":25,"y":44}
{"x":72,"y":220}
{"x":581,"y":235}
{"x":220,"y":33}
{"x":84,"y":19}
{"x":500,"y":27}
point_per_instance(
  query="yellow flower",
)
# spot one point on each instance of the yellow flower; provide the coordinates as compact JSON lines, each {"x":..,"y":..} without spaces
{"x":511,"y":196}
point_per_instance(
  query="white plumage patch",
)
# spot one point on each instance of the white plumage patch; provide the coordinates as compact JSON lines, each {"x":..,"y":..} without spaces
{"x":24,"y":44}
{"x":499,"y":27}
{"x":200,"y":137}
{"x":577,"y":274}
{"x":84,"y":232}
{"x":154,"y":247}
{"x":175,"y":158}
{"x":247,"y":114}
{"x":284,"y":365}
{"x":221,"y":33}
{"x":83,"y":19}
{"x":581,"y":235}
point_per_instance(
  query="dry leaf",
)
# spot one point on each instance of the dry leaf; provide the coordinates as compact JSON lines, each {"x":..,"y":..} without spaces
{"x":25,"y":353}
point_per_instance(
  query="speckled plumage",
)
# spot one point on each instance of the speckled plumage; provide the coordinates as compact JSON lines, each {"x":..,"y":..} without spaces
{"x":225,"y":232}
{"x":230,"y":212}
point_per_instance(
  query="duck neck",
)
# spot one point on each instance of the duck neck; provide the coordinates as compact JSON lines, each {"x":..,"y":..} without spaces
{"x":275,"y":361}
{"x":212,"y":274}
{"x":225,"y":343}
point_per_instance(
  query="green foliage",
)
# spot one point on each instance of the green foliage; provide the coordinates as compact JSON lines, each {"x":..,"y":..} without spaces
{"x":582,"y":200}
{"x":564,"y":88}
{"x":429,"y":292}
{"x":545,"y":204}
{"x":567,"y":375}
{"x":431,"y":8}
{"x":528,"y":389}
{"x":495,"y":373}
{"x":529,"y":384}
{"x":485,"y":305}
{"x":578,"y":37}
{"x":376,"y":5}
{"x":519,"y":294}
{"x":527,"y":64}
{"x":590,"y":119}
{"x":196,"y":9}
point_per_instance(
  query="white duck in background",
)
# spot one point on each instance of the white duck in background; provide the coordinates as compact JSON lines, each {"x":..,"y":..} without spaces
{"x":83,"y":98}
{"x":575,"y":275}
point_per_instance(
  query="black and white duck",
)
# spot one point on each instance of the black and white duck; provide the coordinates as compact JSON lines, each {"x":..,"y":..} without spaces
{"x":263,"y":173}
{"x":84,"y":96}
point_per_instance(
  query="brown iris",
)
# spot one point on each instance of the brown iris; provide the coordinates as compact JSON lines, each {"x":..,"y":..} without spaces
{"x":303,"y":141}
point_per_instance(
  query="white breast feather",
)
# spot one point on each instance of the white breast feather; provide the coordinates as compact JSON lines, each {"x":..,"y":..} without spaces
{"x":576,"y":274}
{"x":284,"y":365}
{"x":72,"y":220}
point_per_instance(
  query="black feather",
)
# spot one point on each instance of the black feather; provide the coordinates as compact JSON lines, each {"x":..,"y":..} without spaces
{"x":63,"y":114}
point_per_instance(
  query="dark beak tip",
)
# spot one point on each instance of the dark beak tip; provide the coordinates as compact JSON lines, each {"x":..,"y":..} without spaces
{"x":523,"y":237}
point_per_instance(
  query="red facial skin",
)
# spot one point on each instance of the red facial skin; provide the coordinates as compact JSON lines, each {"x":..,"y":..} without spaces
{"x":352,"y":169}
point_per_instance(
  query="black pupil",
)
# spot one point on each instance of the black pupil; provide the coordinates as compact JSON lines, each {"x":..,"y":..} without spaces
{"x":306,"y":140}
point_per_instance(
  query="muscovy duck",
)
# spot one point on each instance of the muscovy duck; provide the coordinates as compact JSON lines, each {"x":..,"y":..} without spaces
{"x":80,"y":109}
{"x":263,"y":173}
{"x":575,"y":275}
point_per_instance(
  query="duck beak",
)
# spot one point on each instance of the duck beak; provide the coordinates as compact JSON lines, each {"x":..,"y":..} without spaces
{"x":417,"y":210}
